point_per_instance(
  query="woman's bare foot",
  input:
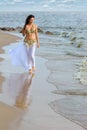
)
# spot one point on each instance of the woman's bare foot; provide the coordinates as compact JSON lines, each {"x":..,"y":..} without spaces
{"x":30,"y":71}
{"x":33,"y":68}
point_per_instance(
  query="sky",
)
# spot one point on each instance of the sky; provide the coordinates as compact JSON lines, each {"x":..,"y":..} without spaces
{"x":43,"y":5}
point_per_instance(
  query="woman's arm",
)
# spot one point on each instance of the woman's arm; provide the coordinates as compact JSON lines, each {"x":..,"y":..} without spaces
{"x":37,"y":37}
{"x":24,"y":31}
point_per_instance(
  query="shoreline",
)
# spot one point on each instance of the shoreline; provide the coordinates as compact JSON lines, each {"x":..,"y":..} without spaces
{"x":9,"y":114}
{"x":63,"y":77}
{"x":39,"y":111}
{"x":6,"y":39}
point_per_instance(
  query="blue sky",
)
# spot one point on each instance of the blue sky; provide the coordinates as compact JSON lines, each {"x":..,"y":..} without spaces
{"x":42,"y":5}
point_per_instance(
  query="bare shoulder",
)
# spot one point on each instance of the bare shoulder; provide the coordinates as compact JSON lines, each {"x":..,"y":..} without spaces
{"x":26,"y":27}
{"x":35,"y":26}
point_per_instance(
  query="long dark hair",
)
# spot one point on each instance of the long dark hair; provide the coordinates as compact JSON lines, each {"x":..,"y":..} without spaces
{"x":27,"y":20}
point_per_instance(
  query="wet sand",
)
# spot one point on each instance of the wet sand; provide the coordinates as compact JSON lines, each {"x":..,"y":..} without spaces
{"x":6,"y":39}
{"x":24,"y":98}
{"x":64,"y":72}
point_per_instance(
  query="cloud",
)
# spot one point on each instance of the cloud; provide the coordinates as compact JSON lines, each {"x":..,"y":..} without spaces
{"x":66,"y":1}
{"x":52,"y":1}
{"x":30,"y":2}
{"x":17,"y":0}
{"x":42,"y":5}
{"x":45,"y":6}
{"x":10,"y":2}
{"x":48,"y":1}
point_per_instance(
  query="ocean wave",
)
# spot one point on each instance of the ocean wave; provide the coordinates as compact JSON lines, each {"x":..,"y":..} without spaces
{"x":81,"y":75}
{"x":73,"y":108}
{"x":77,"y":54}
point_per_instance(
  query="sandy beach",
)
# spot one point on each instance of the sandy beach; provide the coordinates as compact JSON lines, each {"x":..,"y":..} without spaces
{"x":28,"y":102}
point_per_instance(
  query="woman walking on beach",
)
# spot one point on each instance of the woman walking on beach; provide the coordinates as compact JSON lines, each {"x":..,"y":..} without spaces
{"x":24,"y":53}
{"x":31,"y":40}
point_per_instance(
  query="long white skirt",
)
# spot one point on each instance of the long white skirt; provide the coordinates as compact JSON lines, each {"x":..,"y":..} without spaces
{"x":23,"y":56}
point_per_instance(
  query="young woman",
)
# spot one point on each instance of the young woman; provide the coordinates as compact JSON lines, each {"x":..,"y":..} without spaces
{"x":25,"y":53}
{"x":31,"y":40}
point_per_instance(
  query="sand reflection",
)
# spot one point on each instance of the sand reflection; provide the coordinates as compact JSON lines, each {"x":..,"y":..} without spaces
{"x":16,"y":89}
{"x":23,"y":98}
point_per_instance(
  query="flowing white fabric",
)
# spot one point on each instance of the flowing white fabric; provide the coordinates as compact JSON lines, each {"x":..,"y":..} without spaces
{"x":23,"y":56}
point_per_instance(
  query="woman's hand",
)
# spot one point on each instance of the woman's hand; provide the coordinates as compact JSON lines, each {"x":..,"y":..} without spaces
{"x":38,"y":45}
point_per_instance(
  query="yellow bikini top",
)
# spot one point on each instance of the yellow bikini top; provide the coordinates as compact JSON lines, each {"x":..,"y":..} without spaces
{"x":32,"y":30}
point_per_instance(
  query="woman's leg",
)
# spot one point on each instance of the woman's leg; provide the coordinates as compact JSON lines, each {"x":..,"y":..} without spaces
{"x":29,"y":61}
{"x":32,"y":55}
